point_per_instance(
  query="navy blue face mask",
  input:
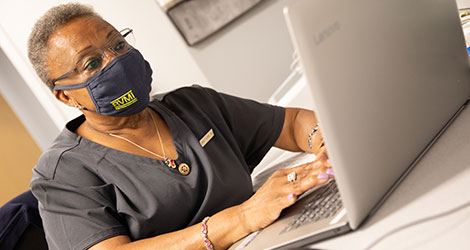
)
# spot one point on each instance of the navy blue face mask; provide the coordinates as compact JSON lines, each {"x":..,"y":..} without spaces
{"x":121,"y":88}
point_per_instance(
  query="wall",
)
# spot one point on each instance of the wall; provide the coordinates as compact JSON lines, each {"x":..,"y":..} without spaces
{"x":24,"y":103}
{"x":18,"y":152}
{"x":251,"y":57}
{"x":463,"y":3}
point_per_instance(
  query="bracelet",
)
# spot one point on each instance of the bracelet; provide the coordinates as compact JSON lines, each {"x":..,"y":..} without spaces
{"x":207,"y":242}
{"x":315,"y":129}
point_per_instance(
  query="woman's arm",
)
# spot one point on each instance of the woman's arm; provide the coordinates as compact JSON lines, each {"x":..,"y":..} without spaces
{"x":224,"y":228}
{"x":298,"y":126}
{"x":231,"y":224}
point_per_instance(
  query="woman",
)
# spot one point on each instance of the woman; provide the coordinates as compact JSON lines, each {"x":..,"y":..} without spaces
{"x":137,"y":174}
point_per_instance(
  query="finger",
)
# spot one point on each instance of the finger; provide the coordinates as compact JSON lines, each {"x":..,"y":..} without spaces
{"x":330,"y":172}
{"x":325,"y":162}
{"x":292,"y":198}
{"x":324,"y":159}
{"x":312,"y":169}
{"x":324,"y":167}
{"x":287,"y":198}
{"x":322,"y":154}
{"x":306,"y":166}
{"x":326,"y":152}
{"x":306,"y":182}
{"x":322,"y":170}
{"x":305,"y":174}
{"x":317,"y":164}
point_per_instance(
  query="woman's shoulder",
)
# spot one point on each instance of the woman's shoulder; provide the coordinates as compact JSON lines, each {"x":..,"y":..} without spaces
{"x":65,"y":158}
{"x":193,"y":100}
{"x":186,"y":93}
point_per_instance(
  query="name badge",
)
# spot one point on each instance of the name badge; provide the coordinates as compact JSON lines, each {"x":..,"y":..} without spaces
{"x":206,"y":138}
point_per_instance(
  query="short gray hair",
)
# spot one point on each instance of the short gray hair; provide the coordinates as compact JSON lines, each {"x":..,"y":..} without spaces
{"x":45,"y":27}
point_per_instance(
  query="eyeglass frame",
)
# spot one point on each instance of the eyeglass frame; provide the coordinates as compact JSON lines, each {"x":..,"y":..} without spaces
{"x":129,"y":31}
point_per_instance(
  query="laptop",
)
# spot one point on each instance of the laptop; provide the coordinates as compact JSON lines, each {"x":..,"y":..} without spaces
{"x":387,"y":78}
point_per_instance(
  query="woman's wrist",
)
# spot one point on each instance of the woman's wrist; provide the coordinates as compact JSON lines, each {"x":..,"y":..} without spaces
{"x":311,"y":137}
{"x":244,"y":218}
{"x":204,"y":231}
{"x":225,"y":227}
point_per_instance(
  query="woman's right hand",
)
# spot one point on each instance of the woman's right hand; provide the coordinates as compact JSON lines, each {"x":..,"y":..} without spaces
{"x":277,"y":193}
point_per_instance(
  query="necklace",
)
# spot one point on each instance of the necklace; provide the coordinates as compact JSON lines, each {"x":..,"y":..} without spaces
{"x":183,"y":168}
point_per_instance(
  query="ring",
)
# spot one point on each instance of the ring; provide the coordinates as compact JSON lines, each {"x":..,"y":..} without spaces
{"x":292,"y":177}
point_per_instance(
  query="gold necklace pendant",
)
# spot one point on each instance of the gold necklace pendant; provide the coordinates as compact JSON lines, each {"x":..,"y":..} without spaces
{"x":184,"y":169}
{"x":170,"y":163}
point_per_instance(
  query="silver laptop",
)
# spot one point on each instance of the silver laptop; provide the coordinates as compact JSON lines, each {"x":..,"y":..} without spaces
{"x":387,"y":78}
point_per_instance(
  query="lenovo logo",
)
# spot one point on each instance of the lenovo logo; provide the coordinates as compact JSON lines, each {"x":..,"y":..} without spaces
{"x":326,"y":33}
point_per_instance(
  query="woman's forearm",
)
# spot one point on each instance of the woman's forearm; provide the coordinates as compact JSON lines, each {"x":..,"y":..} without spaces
{"x":224,"y":228}
{"x":306,"y":138}
{"x":296,"y":134}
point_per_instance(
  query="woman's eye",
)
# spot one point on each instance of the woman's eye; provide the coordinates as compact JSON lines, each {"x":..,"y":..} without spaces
{"x":119,"y":46}
{"x":92,"y":64}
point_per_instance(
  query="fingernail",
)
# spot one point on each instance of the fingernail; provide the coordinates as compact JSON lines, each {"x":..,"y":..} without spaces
{"x":330,"y":171}
{"x":290,"y":196}
{"x":323,"y":176}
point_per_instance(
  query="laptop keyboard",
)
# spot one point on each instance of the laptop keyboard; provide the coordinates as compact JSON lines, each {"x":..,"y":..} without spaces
{"x":325,"y":203}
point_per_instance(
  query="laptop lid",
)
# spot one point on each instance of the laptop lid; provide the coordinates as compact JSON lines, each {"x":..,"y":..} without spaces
{"x":386,"y":77}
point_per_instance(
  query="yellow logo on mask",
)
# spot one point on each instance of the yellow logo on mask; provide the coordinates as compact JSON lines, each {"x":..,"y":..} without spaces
{"x":124,"y":101}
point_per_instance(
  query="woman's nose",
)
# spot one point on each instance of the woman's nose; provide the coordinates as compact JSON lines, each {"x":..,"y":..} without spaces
{"x":107,"y":56}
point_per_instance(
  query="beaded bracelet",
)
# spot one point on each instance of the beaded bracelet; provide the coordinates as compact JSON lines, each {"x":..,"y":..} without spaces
{"x":207,"y":242}
{"x":315,"y":128}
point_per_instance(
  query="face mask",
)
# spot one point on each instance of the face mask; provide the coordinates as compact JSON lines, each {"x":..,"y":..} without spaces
{"x":121,"y":88}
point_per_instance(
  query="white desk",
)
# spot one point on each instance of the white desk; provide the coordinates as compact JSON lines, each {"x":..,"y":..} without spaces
{"x":439,"y":183}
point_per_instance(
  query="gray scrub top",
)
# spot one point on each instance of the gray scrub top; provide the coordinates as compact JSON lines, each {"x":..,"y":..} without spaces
{"x":88,"y":192}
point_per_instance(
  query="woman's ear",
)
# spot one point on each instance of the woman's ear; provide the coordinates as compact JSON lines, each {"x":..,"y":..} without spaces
{"x":63,"y":96}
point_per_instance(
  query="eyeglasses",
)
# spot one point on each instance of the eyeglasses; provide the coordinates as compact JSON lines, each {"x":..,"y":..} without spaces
{"x":92,"y":62}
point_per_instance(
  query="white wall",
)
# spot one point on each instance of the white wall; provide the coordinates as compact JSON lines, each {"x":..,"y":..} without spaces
{"x":251,"y":57}
{"x":29,"y":110}
{"x":463,"y":3}
{"x":156,"y":38}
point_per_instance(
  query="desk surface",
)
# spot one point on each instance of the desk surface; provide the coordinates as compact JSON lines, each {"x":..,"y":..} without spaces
{"x":439,"y":183}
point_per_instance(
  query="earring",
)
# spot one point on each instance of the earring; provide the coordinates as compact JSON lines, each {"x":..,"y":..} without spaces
{"x":79,"y":107}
